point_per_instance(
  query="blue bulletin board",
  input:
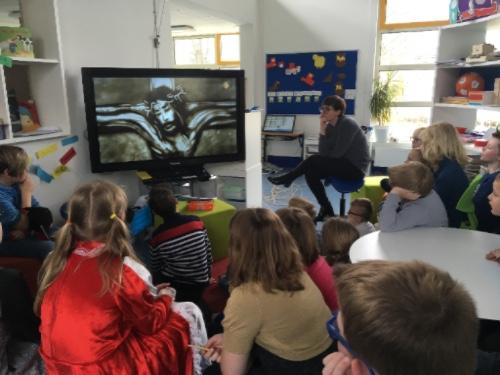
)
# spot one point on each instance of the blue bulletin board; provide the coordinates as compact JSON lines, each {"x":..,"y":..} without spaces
{"x":298,"y":82}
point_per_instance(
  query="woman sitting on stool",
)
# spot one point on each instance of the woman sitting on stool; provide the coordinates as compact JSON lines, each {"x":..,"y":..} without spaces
{"x":343,"y":153}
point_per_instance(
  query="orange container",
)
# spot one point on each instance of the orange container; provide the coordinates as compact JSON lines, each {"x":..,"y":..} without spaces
{"x":204,"y":205}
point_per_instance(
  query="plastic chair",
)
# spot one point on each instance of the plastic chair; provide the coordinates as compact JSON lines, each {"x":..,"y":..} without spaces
{"x":344,"y":187}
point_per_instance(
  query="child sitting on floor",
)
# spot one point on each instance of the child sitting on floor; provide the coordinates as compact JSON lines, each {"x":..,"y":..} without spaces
{"x":359,"y":215}
{"x":181,"y":253}
{"x":401,"y":318}
{"x":411,"y":202}
{"x":337,"y":237}
{"x":100,"y":314}
{"x":303,"y":204}
{"x":301,"y":227}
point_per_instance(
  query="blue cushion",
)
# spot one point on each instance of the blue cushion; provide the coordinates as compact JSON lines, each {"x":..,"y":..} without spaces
{"x":344,"y":186}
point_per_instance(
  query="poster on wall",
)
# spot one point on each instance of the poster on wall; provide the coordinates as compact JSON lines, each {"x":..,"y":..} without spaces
{"x":298,"y":82}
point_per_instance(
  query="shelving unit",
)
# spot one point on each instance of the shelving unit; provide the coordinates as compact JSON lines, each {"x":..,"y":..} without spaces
{"x":40,"y":78}
{"x":455,"y":42}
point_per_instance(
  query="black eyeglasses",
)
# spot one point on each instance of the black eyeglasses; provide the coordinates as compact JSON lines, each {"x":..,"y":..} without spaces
{"x":334,"y":332}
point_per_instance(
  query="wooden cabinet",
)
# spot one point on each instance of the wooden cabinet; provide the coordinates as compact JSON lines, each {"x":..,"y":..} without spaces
{"x":40,"y":78}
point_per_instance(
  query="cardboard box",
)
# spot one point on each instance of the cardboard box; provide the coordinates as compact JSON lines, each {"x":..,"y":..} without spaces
{"x":16,"y":42}
{"x":482,"y":49}
{"x":481,"y":97}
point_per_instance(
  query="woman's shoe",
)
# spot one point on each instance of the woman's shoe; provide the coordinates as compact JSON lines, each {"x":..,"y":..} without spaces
{"x":280,"y":180}
{"x":324,"y":213}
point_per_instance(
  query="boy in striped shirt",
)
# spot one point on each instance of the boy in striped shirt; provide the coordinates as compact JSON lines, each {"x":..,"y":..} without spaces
{"x":181,"y":253}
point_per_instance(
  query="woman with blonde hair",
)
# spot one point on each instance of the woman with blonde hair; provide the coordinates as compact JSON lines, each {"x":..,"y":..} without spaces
{"x":445,"y":153}
{"x":301,"y":227}
{"x":274,"y":311}
{"x":99,"y":312}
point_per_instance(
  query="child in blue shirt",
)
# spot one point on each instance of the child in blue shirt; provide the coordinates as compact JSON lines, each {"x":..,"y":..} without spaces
{"x":490,"y":155}
{"x":16,"y":199}
{"x":412,"y":202}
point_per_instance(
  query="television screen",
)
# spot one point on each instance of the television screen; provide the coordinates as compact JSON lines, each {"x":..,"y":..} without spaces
{"x":150,"y":119}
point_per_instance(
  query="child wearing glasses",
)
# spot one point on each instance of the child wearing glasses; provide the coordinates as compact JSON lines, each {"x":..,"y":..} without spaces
{"x":411,"y":202}
{"x":359,"y":215}
{"x":401,"y":318}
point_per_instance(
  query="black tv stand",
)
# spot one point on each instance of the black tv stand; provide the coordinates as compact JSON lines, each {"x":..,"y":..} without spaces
{"x":178,"y":173}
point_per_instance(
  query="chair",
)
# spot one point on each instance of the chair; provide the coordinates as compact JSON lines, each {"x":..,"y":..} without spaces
{"x":344,"y":187}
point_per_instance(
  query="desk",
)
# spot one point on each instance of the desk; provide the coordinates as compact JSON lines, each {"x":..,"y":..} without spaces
{"x":299,"y":136}
{"x":460,"y":252}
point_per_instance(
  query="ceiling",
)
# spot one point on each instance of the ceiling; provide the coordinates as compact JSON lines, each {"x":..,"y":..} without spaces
{"x":184,"y":12}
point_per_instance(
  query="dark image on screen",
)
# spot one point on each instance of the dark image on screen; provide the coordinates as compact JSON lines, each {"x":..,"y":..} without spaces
{"x":150,"y":118}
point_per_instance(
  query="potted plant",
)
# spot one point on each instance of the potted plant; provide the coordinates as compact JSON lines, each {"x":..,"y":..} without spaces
{"x":380,"y":106}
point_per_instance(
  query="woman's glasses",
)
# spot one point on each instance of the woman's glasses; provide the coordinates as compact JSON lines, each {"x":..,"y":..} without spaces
{"x":334,"y":332}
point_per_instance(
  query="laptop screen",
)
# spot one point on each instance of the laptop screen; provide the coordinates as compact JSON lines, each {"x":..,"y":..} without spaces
{"x":279,"y":123}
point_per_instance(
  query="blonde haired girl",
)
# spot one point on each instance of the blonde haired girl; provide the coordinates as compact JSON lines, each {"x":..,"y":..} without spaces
{"x":444,"y":152}
{"x":99,"y":311}
{"x":274,"y":311}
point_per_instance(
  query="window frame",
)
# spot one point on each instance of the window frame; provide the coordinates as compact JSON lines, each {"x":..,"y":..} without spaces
{"x":385,"y":28}
{"x":217,"y":48}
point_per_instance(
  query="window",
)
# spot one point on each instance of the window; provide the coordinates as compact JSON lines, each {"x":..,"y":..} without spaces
{"x":195,"y":51}
{"x":407,"y":48}
{"x":219,"y":49}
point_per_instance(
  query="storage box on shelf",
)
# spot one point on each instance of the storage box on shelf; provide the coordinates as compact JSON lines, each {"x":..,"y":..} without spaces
{"x":455,"y":43}
{"x":40,"y":78}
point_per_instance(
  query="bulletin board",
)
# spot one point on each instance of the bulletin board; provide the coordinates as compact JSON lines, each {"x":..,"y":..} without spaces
{"x":296,"y":83}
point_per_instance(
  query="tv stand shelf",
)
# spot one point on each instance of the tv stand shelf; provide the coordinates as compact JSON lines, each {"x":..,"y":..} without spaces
{"x":178,"y":174}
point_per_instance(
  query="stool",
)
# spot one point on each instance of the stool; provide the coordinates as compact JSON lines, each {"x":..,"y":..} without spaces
{"x":344,"y":187}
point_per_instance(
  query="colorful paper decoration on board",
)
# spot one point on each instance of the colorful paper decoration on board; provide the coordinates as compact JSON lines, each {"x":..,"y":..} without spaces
{"x":46,"y":151}
{"x":69,"y":140}
{"x":63,"y":160}
{"x":296,"y":83}
{"x":67,"y":156}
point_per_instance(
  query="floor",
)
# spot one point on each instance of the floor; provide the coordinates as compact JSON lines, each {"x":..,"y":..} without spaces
{"x":275,"y":197}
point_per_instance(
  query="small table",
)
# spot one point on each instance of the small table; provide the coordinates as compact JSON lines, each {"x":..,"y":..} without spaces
{"x":299,"y":136}
{"x":460,"y":252}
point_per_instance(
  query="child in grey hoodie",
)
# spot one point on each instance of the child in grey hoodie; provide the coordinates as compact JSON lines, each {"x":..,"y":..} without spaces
{"x":411,"y":201}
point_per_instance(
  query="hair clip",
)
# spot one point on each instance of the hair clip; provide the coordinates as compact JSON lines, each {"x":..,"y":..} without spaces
{"x":113,"y":216}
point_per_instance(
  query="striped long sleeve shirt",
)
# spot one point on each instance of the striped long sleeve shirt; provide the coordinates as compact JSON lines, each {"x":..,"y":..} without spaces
{"x":181,"y":251}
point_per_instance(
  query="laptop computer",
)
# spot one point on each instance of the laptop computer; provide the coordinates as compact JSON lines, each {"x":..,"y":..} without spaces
{"x":279,"y":123}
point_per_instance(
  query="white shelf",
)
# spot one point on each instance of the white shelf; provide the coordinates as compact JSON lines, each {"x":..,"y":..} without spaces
{"x":467,"y":65}
{"x":468,"y":106}
{"x":27,"y":61}
{"x":479,"y":21}
{"x":31,"y":138}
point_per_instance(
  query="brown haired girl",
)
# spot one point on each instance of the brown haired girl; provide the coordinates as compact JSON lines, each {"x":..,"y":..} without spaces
{"x":301,"y":227}
{"x":99,"y":311}
{"x":274,"y":311}
{"x":338,"y":236}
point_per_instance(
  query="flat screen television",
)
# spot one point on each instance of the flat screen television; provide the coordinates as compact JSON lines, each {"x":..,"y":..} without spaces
{"x":163,"y":119}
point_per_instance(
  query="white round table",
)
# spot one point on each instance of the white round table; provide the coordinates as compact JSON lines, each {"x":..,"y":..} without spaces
{"x":460,"y":252}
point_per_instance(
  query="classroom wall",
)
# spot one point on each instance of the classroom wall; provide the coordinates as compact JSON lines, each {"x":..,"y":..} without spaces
{"x":322,"y":25}
{"x":99,"y":33}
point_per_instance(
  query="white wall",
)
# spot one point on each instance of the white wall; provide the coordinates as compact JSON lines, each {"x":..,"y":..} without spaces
{"x":320,"y":25}
{"x":100,"y":33}
{"x":119,"y":34}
